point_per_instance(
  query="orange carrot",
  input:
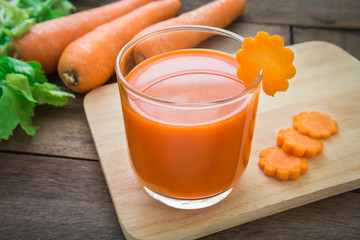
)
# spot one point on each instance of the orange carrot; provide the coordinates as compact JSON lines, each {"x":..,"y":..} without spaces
{"x":297,"y":144}
{"x":89,"y":61}
{"x":219,"y":13}
{"x":315,"y":124}
{"x":46,"y":41}
{"x":275,"y":162}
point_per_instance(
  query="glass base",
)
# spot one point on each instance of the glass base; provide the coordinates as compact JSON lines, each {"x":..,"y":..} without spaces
{"x":189,"y":204}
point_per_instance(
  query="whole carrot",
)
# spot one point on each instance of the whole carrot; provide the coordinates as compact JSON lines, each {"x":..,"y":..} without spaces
{"x":45,"y":41}
{"x":89,"y":61}
{"x":219,"y":13}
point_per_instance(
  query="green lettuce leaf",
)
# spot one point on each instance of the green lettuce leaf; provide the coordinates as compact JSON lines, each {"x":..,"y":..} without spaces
{"x":23,"y":86}
{"x":14,"y":22}
{"x":8,"y":119}
{"x":49,"y":9}
{"x":12,"y":65}
{"x":24,"y":111}
{"x":22,"y":27}
{"x":12,"y":15}
{"x":48,"y":93}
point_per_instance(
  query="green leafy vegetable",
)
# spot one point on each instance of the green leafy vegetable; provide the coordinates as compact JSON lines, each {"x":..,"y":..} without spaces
{"x":49,"y":9}
{"x":23,"y":85}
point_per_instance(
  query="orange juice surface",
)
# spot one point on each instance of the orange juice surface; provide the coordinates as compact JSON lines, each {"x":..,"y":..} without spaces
{"x":189,"y":150}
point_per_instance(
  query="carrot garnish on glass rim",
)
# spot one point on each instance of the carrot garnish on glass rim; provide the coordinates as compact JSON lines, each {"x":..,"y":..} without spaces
{"x":267,"y":53}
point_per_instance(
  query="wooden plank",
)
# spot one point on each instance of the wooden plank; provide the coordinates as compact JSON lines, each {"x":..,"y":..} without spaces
{"x":256,"y":195}
{"x":320,"y":13}
{"x":87,"y":4}
{"x":250,"y":30}
{"x":332,"y":218}
{"x":349,"y":40}
{"x":54,"y":198}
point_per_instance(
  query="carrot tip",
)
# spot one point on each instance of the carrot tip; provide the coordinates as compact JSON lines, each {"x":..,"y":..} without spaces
{"x":15,"y":54}
{"x":139,"y":57}
{"x":69,"y":78}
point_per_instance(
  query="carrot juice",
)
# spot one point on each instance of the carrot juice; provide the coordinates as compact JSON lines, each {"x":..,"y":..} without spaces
{"x":185,"y":140}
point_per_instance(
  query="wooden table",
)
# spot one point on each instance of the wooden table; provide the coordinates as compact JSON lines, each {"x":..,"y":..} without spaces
{"x":52,"y":185}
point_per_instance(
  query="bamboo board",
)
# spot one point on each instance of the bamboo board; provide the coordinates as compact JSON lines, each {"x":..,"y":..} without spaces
{"x":327,"y":80}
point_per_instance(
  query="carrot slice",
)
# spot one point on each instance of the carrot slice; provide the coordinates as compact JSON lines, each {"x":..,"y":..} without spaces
{"x":267,"y":53}
{"x":275,"y":162}
{"x":315,"y":124}
{"x":297,"y":144}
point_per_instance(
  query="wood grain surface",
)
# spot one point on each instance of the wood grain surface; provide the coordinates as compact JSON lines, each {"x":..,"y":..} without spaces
{"x":326,"y":81}
{"x":28,"y":165}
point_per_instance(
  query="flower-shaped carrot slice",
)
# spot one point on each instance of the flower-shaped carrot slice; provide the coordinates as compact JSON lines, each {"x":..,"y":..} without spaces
{"x":315,"y":124}
{"x":267,"y":53}
{"x":297,"y":144}
{"x":275,"y":162}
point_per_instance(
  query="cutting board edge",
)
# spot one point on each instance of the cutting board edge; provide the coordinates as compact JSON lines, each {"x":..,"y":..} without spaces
{"x":318,"y":42}
{"x":238,"y":220}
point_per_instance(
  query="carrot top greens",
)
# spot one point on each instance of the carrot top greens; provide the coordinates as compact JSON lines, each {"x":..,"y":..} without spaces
{"x":23,"y":85}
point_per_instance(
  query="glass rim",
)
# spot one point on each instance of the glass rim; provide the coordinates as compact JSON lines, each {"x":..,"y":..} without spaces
{"x":203,"y":28}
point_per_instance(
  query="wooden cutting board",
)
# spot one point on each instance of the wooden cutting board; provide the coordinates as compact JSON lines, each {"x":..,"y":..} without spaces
{"x":327,"y":80}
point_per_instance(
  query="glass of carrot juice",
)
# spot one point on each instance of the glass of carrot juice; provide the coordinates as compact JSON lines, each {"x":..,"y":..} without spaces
{"x":189,"y":120}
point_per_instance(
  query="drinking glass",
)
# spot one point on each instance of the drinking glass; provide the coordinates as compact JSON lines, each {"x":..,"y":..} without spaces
{"x":189,"y":120}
